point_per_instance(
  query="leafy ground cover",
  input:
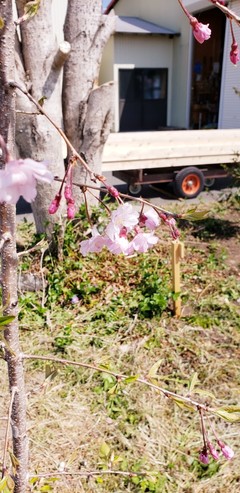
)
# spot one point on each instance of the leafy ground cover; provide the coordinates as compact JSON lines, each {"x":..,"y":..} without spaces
{"x":122,"y":320}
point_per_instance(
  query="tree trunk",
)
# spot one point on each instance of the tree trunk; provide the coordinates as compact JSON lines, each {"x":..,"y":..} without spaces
{"x":87,"y":108}
{"x":39,"y":67}
{"x":9,"y":257}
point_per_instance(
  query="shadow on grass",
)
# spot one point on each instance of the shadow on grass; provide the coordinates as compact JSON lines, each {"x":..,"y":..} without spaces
{"x":213,"y":228}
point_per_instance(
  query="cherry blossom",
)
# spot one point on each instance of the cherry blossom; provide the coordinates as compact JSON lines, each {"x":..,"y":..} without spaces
{"x":150,"y":219}
{"x":119,"y":245}
{"x":93,"y":244}
{"x":124,"y":234}
{"x":124,"y":215}
{"x":234,"y":53}
{"x":143,"y":241}
{"x":74,"y":299}
{"x":123,"y":219}
{"x":226,"y":450}
{"x":19,"y":177}
{"x":201,"y":31}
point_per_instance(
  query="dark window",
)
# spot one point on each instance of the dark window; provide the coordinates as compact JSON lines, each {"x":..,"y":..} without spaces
{"x":143,"y":99}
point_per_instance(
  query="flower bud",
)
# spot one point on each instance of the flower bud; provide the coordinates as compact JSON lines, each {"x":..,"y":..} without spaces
{"x":214,"y":453}
{"x":203,"y":456}
{"x":226,"y":450}
{"x":54,"y":204}
{"x":71,"y":211}
{"x":67,"y":192}
{"x":113,"y":191}
{"x":234,"y":53}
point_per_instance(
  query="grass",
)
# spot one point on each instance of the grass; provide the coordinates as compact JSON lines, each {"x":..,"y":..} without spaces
{"x":124,"y":321}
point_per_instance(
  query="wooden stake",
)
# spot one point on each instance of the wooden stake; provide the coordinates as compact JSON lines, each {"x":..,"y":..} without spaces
{"x":177,"y":255}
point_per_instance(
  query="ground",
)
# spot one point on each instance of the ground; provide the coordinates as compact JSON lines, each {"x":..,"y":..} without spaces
{"x":84,"y":420}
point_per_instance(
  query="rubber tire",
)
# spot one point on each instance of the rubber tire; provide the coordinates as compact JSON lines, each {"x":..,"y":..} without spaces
{"x":134,"y":189}
{"x":209,"y":182}
{"x":180,"y":182}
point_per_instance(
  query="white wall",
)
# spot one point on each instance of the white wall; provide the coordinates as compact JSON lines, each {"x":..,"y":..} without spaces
{"x":59,"y":8}
{"x":197,"y":5}
{"x":142,"y":52}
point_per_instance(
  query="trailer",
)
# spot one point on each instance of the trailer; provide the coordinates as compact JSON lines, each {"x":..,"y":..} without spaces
{"x":191,"y":159}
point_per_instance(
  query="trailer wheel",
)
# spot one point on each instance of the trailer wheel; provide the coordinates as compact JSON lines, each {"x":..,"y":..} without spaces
{"x":209,"y":182}
{"x":189,"y":183}
{"x":134,"y":189}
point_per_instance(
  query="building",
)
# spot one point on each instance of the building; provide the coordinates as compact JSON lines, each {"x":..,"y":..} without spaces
{"x":164,"y":78}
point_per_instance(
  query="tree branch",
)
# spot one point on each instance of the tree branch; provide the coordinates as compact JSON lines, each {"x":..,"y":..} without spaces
{"x":88,"y":474}
{"x":57,"y":65}
{"x":60,"y":131}
{"x":121,"y":378}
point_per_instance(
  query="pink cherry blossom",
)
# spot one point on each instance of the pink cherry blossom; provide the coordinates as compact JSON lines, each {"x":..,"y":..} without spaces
{"x":143,"y":241}
{"x":74,"y":299}
{"x":234,"y":53}
{"x":123,"y":219}
{"x":119,"y":245}
{"x":201,"y":31}
{"x":150,"y":219}
{"x":93,"y":244}
{"x":226,"y":450}
{"x":124,"y":215}
{"x":19,"y":177}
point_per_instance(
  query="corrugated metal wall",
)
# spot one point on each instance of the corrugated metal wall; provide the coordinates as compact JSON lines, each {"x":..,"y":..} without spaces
{"x":229,"y":115}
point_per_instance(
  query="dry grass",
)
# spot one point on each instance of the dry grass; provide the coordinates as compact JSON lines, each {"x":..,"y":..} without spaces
{"x":73,"y":414}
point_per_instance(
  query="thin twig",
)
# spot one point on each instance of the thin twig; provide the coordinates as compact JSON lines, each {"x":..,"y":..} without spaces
{"x":120,"y":378}
{"x":34,"y":248}
{"x":5,"y":449}
{"x":125,"y":196}
{"x":228,"y":12}
{"x":60,"y":131}
{"x":92,"y":473}
{"x":42,"y":275}
{"x":203,"y":429}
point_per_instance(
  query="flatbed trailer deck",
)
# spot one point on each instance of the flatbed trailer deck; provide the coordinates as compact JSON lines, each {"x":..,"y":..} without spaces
{"x":190,"y":159}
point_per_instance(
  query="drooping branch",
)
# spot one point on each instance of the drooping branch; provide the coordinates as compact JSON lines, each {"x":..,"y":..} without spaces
{"x":228,"y":12}
{"x":121,"y":378}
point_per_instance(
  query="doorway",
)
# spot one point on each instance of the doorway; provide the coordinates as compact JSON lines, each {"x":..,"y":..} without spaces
{"x":142,"y":99}
{"x":207,"y":71}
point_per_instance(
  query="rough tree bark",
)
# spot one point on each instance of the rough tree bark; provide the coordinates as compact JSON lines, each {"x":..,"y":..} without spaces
{"x":39,"y":63}
{"x":9,"y":256}
{"x":86,"y":107}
